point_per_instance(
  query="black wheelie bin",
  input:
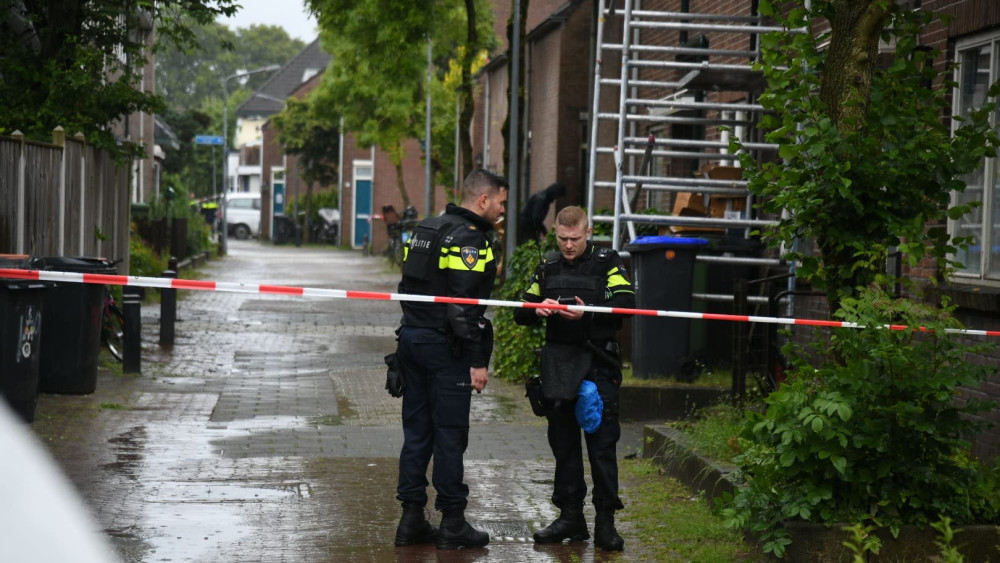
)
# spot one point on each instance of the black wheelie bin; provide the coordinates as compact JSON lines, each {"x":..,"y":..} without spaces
{"x":73,"y":315}
{"x":664,"y":272}
{"x":21,"y":303}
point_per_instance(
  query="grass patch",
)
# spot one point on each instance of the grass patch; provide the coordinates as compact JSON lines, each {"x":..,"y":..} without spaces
{"x":674,"y":524}
{"x":114,"y":407}
{"x":107,"y":362}
{"x":712,"y":431}
{"x":715,"y":379}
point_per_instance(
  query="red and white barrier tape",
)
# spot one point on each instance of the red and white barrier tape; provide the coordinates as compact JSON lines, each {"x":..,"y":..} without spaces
{"x":233,"y":287}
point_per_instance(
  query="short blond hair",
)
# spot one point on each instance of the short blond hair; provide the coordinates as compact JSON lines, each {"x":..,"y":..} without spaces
{"x":571,"y":216}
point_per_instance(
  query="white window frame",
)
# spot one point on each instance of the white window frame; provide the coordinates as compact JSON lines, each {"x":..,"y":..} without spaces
{"x":989,"y":235}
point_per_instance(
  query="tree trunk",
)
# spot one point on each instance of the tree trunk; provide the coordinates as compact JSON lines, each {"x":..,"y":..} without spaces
{"x":306,"y":231}
{"x":851,"y":59}
{"x":398,"y":162}
{"x":846,"y":91}
{"x":465,"y":92}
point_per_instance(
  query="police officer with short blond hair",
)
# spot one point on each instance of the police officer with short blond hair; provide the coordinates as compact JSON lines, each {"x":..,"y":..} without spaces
{"x":443,"y":352}
{"x":580,"y":346}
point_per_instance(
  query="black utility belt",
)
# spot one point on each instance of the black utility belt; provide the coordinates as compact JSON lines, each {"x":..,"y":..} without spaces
{"x":444,"y":331}
{"x":610,"y":346}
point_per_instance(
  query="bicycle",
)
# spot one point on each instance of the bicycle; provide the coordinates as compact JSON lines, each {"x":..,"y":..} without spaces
{"x":113,"y":323}
{"x":113,"y":328}
{"x":400,"y":230}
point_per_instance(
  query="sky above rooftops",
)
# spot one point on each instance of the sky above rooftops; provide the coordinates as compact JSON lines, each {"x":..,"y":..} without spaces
{"x":290,"y":15}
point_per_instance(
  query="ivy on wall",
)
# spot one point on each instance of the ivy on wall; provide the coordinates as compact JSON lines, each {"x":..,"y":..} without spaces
{"x":516,"y":357}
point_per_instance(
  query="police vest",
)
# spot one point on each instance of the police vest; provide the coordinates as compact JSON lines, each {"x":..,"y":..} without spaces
{"x":423,"y":254}
{"x":589,"y":281}
{"x":422,"y":274}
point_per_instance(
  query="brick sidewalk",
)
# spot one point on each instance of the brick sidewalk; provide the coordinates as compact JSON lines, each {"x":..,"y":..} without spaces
{"x":265,"y":433}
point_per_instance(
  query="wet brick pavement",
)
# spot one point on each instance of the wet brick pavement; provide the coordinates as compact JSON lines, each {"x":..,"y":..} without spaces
{"x":265,"y":434}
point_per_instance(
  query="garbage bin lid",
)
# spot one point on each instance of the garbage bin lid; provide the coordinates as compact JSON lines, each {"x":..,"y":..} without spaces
{"x":668,"y":240}
{"x":14,"y":261}
{"x":73,"y":264}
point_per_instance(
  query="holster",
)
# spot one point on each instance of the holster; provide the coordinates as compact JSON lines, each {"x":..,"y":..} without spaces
{"x":610,"y":353}
{"x":533,"y":391}
{"x":455,"y":346}
{"x":394,"y":382}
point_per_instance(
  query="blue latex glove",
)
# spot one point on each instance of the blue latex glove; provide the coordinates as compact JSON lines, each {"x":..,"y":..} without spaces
{"x":589,"y":407}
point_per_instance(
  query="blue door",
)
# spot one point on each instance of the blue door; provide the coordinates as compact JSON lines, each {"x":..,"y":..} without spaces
{"x":278,"y":197}
{"x":362,"y":203}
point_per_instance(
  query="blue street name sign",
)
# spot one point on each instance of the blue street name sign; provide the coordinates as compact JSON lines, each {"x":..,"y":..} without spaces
{"x":208,"y":139}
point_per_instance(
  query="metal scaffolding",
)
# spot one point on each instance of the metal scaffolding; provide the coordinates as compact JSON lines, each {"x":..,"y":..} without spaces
{"x":679,"y":102}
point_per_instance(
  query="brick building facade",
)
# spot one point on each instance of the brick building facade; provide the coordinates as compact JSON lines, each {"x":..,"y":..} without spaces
{"x":558,"y":85}
{"x":368,"y":179}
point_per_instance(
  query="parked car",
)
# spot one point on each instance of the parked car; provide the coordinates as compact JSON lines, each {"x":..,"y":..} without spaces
{"x":243,"y":215}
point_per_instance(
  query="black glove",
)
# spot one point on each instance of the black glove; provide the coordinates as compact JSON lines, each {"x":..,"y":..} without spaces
{"x":394,"y":383}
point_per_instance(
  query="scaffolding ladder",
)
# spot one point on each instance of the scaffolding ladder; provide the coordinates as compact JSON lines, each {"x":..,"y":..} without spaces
{"x":686,"y":85}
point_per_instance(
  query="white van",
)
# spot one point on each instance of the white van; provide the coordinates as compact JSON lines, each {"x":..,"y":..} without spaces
{"x":243,"y":215}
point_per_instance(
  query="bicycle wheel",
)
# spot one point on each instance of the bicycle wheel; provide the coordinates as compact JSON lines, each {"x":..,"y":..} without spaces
{"x":114,"y":326}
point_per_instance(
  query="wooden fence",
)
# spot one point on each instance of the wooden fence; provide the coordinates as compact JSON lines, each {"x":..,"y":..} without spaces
{"x":63,"y":199}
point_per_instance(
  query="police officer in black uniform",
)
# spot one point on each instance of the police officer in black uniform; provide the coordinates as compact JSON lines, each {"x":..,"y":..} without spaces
{"x":443,"y":352}
{"x":585,"y":342}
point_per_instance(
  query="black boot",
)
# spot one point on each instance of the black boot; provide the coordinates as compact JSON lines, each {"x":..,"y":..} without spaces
{"x":413,"y":527}
{"x":605,"y":535}
{"x":569,"y":526}
{"x":455,"y":532}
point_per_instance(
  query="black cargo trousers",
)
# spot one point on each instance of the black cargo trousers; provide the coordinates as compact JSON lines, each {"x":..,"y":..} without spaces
{"x":436,"y":405}
{"x":564,"y":438}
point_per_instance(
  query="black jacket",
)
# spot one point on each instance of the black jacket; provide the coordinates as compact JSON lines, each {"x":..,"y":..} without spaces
{"x":451,"y":256}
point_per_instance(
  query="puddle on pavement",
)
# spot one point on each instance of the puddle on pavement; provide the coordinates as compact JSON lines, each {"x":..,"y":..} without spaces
{"x":223,"y":492}
{"x":180,"y":380}
{"x":128,"y":448}
{"x":192,"y":532}
{"x":492,"y":407}
{"x":328,"y":420}
{"x":196,"y":520}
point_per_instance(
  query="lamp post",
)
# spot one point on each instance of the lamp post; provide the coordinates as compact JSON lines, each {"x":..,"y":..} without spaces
{"x":225,"y":145}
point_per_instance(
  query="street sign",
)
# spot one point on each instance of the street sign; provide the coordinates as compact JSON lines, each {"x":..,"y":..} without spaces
{"x":208,"y":139}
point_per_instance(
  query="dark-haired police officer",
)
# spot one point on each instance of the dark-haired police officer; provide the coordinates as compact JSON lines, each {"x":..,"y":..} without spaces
{"x":580,"y":346}
{"x":443,"y":353}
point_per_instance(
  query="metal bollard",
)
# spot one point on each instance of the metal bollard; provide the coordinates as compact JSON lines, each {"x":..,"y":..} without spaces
{"x":131,"y":310}
{"x":168,"y":307}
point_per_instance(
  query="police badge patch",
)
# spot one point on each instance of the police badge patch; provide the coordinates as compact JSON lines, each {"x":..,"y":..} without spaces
{"x":470,"y":256}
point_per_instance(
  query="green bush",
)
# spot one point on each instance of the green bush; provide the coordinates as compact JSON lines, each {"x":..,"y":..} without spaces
{"x":140,"y":211}
{"x":322,"y":198}
{"x":199,"y":237}
{"x":515,"y":358}
{"x":143,"y":260}
{"x":874,"y":434}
